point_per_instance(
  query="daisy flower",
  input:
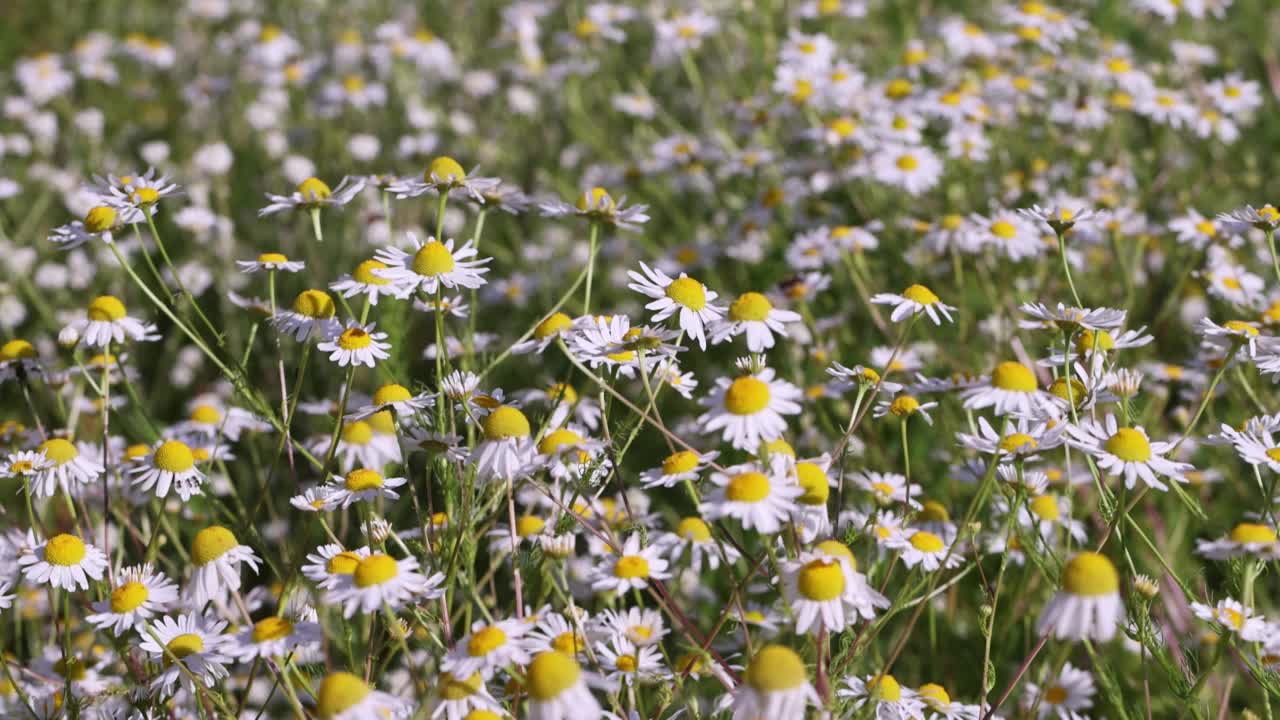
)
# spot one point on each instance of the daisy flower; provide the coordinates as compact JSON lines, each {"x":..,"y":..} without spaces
{"x":915,"y":300}
{"x":938,"y":704}
{"x":914,"y":168}
{"x":1068,"y":697}
{"x":863,"y":377}
{"x":623,"y":661}
{"x":364,"y":443}
{"x":487,"y":648}
{"x":343,"y":696}
{"x":195,"y":641}
{"x":759,"y":500}
{"x":445,"y":175}
{"x":313,"y":194}
{"x":926,"y":549}
{"x":890,"y":699}
{"x":379,"y":580}
{"x":63,"y":561}
{"x":755,"y":316}
{"x":357,"y":345}
{"x":683,"y":295}
{"x":557,"y":689}
{"x":271,"y":262}
{"x":396,"y":398}
{"x":217,"y":556}
{"x":749,"y":408}
{"x":466,"y":698}
{"x":65,"y":465}
{"x":431,"y":266}
{"x":1230,"y":615}
{"x":1127,"y":452}
{"x":598,"y":206}
{"x":817,"y":585}
{"x":678,"y":467}
{"x":507,"y":450}
{"x":1022,"y":439}
{"x":886,"y":488}
{"x":546,"y":332}
{"x":361,"y":485}
{"x":1088,"y":605}
{"x":1012,"y":388}
{"x":365,"y":280}
{"x":101,"y":222}
{"x":1058,"y":217}
{"x":26,"y":464}
{"x":1230,"y":336}
{"x":106,"y":321}
{"x":140,"y":594}
{"x":775,"y":685}
{"x":274,"y":637}
{"x":312,"y":314}
{"x":692,"y":535}
{"x":634,"y":568}
{"x":642,"y":626}
{"x":331,"y":565}
{"x":1245,"y":539}
{"x":1068,"y":318}
{"x":171,"y":465}
{"x":904,"y":406}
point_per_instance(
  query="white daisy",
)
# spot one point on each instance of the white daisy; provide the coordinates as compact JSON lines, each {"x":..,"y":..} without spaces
{"x":171,"y":465}
{"x":313,"y":194}
{"x":344,"y":696}
{"x":1245,"y":539}
{"x":1012,"y":388}
{"x":1127,"y":452}
{"x":106,"y":321}
{"x":775,"y":685}
{"x":557,"y":689}
{"x":311,"y":315}
{"x":275,"y":637}
{"x":1088,"y":605}
{"x":634,"y":568}
{"x":759,"y":500}
{"x":487,"y":648}
{"x":195,"y":641}
{"x":678,"y":467}
{"x":364,"y":280}
{"x":597,"y":205}
{"x":755,"y":316}
{"x":1067,"y":697}
{"x":361,"y":485}
{"x":927,"y":549}
{"x":915,"y":300}
{"x":445,"y":175}
{"x":357,"y":345}
{"x":66,"y":465}
{"x":1232,"y":616}
{"x":507,"y":450}
{"x":271,"y":262}
{"x":140,"y":593}
{"x":683,"y":295}
{"x":749,"y":408}
{"x":431,"y":266}
{"x":63,"y":561}
{"x":330,"y":565}
{"x":380,"y":580}
{"x":216,"y":555}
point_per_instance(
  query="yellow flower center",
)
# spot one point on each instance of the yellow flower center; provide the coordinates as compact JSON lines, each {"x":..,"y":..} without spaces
{"x":692,"y":528}
{"x":1013,"y":376}
{"x":391,"y":393}
{"x":680,"y":462}
{"x":1090,"y":574}
{"x":1129,"y":445}
{"x":314,"y":304}
{"x":746,"y":396}
{"x":688,"y":292}
{"x":271,"y":628}
{"x":1017,"y":442}
{"x":364,"y":273}
{"x":174,"y":456}
{"x":629,"y":567}
{"x":750,"y":307}
{"x":314,"y":189}
{"x":813,"y":481}
{"x":569,"y":643}
{"x":553,"y":441}
{"x":433,"y":259}
{"x":1252,"y":533}
{"x":907,"y":162}
{"x":344,"y":563}
{"x":272,"y":258}
{"x":100,"y":219}
{"x":920,"y":294}
{"x":211,"y":543}
{"x":838,"y":549}
{"x":1046,"y":507}
{"x":185,"y":644}
{"x":527,"y":525}
{"x":926,"y":542}
{"x":363,"y":479}
{"x":354,"y":338}
{"x":934,"y":511}
{"x":15,"y":349}
{"x":64,"y":550}
{"x":597,"y":198}
{"x":776,"y":668}
{"x":339,"y":692}
{"x":505,"y":422}
{"x":445,"y":169}
{"x":1075,"y":392}
{"x":747,"y":487}
{"x":1055,"y":695}
{"x":550,"y":674}
{"x":452,"y":688}
{"x":898,"y":89}
{"x":145,"y":196}
{"x":106,"y":308}
{"x":375,"y":570}
{"x":821,"y":580}
{"x":1241,"y":327}
{"x":206,"y":415}
{"x":1089,"y":340}
{"x":556,"y":323}
{"x":886,"y":688}
{"x":58,"y":450}
{"x":934,"y":694}
{"x":357,"y":433}
{"x":904,"y":406}
{"x":1206,"y":227}
{"x":486,"y":640}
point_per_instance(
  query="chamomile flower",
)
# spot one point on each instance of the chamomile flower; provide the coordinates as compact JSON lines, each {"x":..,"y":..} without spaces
{"x":760,"y":499}
{"x":344,"y":696}
{"x":311,"y":315}
{"x":904,"y":406}
{"x":547,"y":331}
{"x":1012,"y":388}
{"x":678,"y":467}
{"x":557,"y":689}
{"x":395,"y":398}
{"x":487,"y":648}
{"x":313,"y":194}
{"x":683,"y":295}
{"x":507,"y":450}
{"x":1245,"y":539}
{"x":749,"y":409}
{"x":692,"y":538}
{"x":331,"y":565}
{"x":818,"y":586}
{"x":431,"y":266}
{"x":462,"y":698}
{"x":1069,"y":696}
{"x":938,"y":704}
{"x":641,"y":626}
{"x":1233,"y":617}
{"x":890,"y":700}
{"x":598,"y":206}
{"x":357,"y":345}
{"x":171,"y":466}
{"x":929,"y":550}
{"x":101,"y":222}
{"x":194,"y":640}
{"x":887,"y":488}
{"x":445,"y":175}
{"x":364,"y":280}
{"x":1127,"y":452}
{"x":915,"y":300}
{"x":26,"y":464}
{"x":380,"y":580}
{"x":139,"y":594}
{"x":1088,"y":605}
{"x":216,"y":555}
{"x":1021,"y":439}
{"x":271,"y":262}
{"x":634,"y":568}
{"x":107,"y":321}
{"x":65,"y":465}
{"x":63,"y":561}
{"x":275,"y":637}
{"x":775,"y":685}
{"x":754,"y":315}
{"x":361,"y":485}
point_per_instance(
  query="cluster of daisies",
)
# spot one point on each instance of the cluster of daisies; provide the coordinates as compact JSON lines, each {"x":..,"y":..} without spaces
{"x":727,"y":365}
